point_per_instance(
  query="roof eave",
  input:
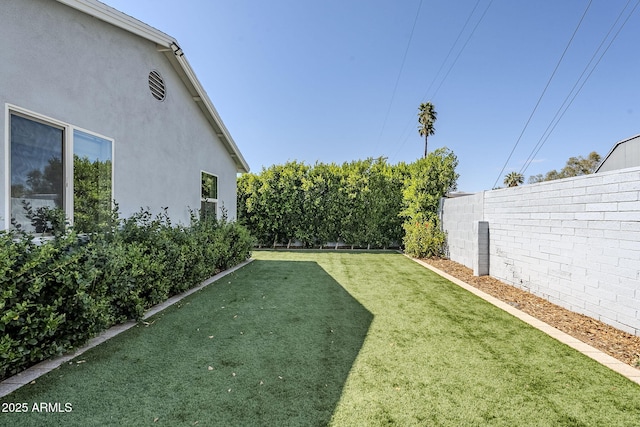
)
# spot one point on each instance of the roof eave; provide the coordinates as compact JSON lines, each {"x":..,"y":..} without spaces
{"x":113,"y":16}
{"x":205,"y":104}
{"x":170,"y":47}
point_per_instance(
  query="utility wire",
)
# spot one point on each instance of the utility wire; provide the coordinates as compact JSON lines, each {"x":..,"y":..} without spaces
{"x":464,"y":27}
{"x":542,"y":94}
{"x":461,"y":50}
{"x":395,"y":87}
{"x":565,"y":106}
{"x":442,"y":66}
{"x":550,"y":129}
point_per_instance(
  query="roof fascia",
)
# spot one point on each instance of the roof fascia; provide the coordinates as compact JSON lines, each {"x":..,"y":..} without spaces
{"x":174,"y":53}
{"x":205,"y":104}
{"x":614,"y":149}
{"x":119,"y":19}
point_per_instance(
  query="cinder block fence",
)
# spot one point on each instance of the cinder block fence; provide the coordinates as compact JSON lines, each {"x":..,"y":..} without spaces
{"x":575,"y":242}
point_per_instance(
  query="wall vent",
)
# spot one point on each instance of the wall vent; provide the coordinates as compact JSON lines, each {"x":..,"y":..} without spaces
{"x":156,"y":84}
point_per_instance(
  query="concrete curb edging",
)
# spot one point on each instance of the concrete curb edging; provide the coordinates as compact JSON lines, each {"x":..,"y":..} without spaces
{"x":584,"y":348}
{"x":28,"y":375}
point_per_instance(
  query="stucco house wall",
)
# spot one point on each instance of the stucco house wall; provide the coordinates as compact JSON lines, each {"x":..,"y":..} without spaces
{"x":64,"y":64}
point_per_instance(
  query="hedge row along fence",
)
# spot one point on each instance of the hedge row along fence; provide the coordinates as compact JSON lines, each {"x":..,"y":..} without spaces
{"x":58,"y":293}
{"x":365,"y":203}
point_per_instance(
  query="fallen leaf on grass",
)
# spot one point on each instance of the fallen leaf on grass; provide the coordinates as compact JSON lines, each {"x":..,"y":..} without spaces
{"x":210,"y":336}
{"x":147,"y":324}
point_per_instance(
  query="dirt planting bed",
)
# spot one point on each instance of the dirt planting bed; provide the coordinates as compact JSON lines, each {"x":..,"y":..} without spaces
{"x":621,"y":345}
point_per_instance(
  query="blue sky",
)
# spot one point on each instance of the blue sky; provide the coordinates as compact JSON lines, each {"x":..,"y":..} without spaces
{"x":341,"y":80}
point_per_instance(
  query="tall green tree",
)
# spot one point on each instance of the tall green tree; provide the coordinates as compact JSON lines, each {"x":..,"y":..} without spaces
{"x":428,"y":180}
{"x":427,"y":117}
{"x":575,"y":166}
{"x":513,"y":179}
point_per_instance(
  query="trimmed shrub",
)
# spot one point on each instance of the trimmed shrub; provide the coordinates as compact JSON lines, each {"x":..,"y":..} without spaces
{"x":58,"y":293}
{"x":424,"y":239}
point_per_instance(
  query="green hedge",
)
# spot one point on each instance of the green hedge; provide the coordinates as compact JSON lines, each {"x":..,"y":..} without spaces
{"x":58,"y":293}
{"x":365,"y":203}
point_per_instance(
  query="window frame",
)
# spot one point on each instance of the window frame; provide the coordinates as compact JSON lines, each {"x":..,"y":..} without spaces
{"x":208,"y":199}
{"x":67,"y":158}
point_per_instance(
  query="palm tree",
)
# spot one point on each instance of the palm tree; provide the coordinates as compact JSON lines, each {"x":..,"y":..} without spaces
{"x":426,"y":117}
{"x":513,"y":179}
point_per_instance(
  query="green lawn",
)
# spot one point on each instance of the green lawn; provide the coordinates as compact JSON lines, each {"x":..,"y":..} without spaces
{"x":331,"y":337}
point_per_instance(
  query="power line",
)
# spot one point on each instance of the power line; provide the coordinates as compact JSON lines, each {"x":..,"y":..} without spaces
{"x":461,"y":50}
{"x":542,"y":94}
{"x":444,"y":62}
{"x":395,"y":87}
{"x":563,"y":109}
{"x":464,"y":27}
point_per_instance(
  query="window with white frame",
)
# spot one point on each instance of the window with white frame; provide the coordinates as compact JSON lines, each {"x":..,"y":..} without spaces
{"x":54,"y":165}
{"x":92,"y":181}
{"x":209,"y":196}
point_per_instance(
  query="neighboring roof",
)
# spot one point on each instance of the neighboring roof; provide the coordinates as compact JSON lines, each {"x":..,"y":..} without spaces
{"x":458,"y":194}
{"x":171,"y":49}
{"x":616,"y":159}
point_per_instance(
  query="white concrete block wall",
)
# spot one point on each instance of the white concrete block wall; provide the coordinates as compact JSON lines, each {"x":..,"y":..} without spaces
{"x":575,"y":242}
{"x":458,"y":216}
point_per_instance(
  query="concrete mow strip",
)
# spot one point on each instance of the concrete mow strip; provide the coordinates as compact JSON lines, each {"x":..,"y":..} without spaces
{"x":584,"y":348}
{"x":31,"y":374}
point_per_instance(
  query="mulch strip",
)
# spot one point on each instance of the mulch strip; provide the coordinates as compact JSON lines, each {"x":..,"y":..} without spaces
{"x":621,"y":345}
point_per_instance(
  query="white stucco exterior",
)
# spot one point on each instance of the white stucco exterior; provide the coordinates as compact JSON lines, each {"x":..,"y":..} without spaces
{"x":84,"y":64}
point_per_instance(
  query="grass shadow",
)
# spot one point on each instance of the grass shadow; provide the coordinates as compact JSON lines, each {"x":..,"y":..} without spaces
{"x":271,"y":344}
